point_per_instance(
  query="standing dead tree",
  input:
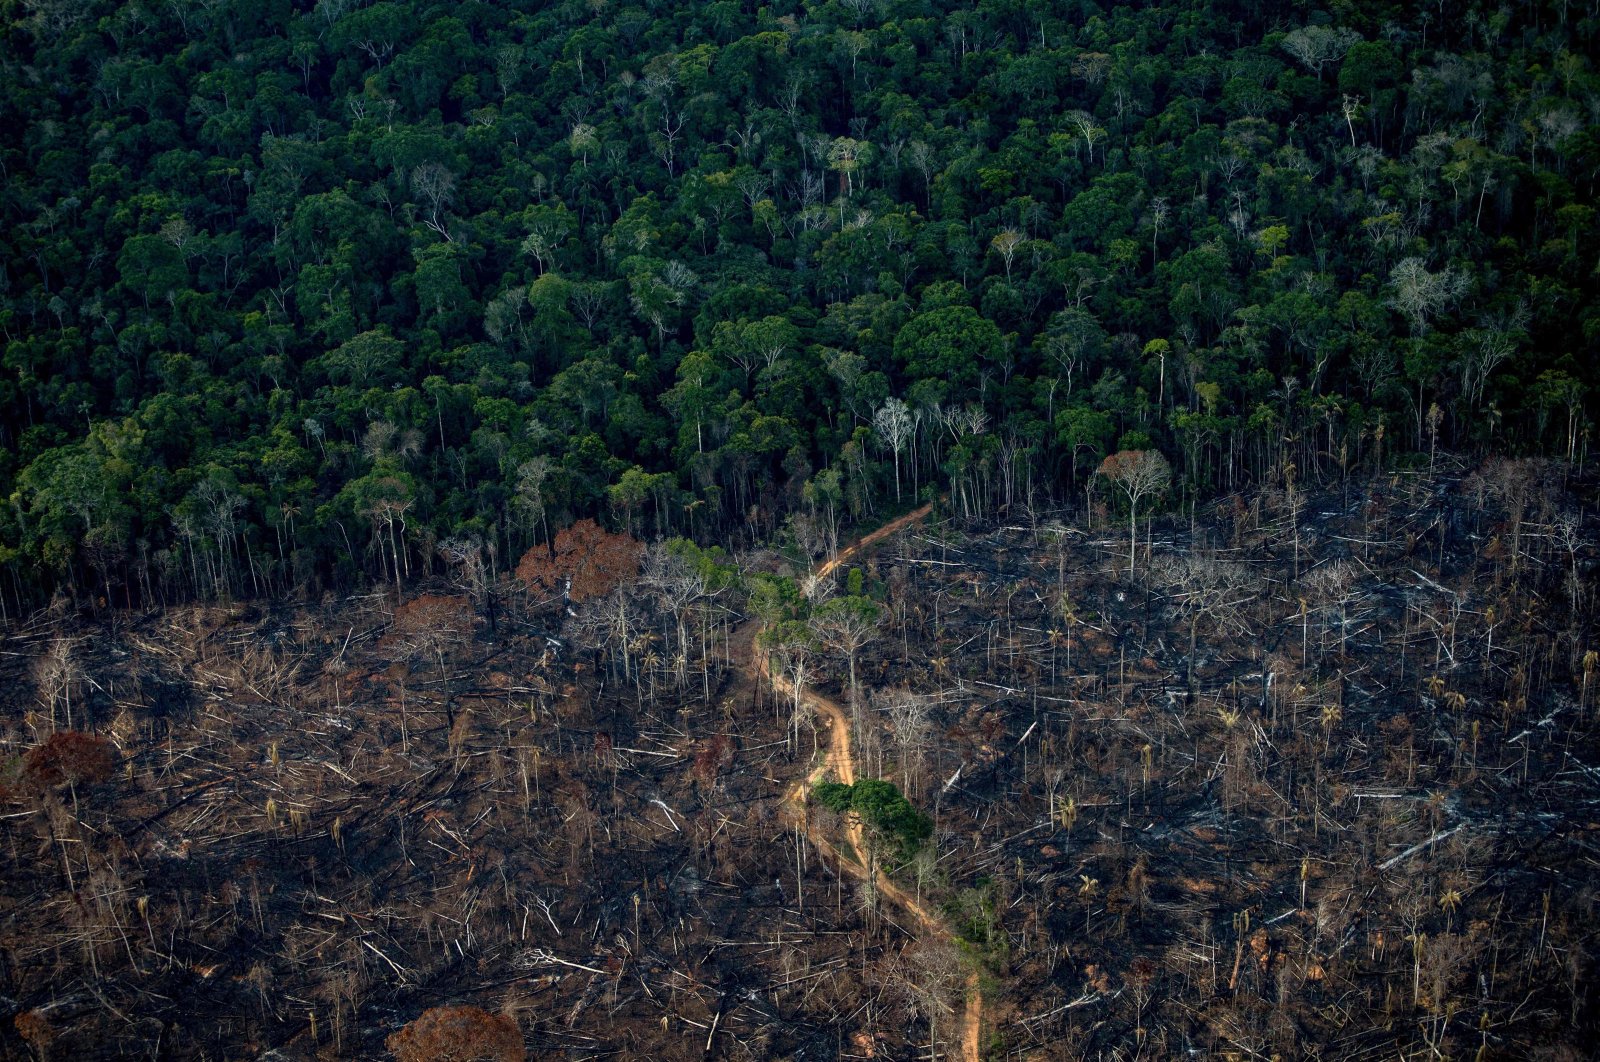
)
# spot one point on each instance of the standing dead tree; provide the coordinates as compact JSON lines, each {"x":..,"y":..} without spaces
{"x":56,"y":673}
{"x":849,"y":624}
{"x":911,"y":717}
{"x":1207,"y":588}
{"x":1518,"y":485}
{"x":792,"y":644}
{"x":676,"y":587}
{"x":929,"y":978}
{"x":895,"y":427}
{"x":1331,"y":588}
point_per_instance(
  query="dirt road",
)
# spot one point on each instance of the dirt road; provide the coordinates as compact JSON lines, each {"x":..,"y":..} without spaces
{"x":839,"y":763}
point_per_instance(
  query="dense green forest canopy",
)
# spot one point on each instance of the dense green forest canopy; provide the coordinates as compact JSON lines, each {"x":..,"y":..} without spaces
{"x":295,"y":296}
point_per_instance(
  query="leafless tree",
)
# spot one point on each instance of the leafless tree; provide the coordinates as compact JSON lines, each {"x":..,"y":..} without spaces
{"x":1317,"y":46}
{"x":588,"y":300}
{"x":753,"y":186}
{"x":1487,"y":346}
{"x":894,"y":424}
{"x":923,"y":157}
{"x":1514,"y":483}
{"x":793,"y":654}
{"x":1206,"y":588}
{"x":910,"y":716}
{"x":385,"y":511}
{"x":1420,"y":294}
{"x":1331,"y":587}
{"x":1160,"y":210}
{"x":435,"y":186}
{"x":929,"y":978}
{"x":849,"y":624}
{"x":55,"y":674}
{"x":676,"y":587}
{"x":466,"y":559}
{"x":861,"y":9}
{"x":508,"y":63}
{"x":528,"y":501}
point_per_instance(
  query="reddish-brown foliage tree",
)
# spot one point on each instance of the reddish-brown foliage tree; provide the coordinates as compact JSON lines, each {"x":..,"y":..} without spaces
{"x":433,"y":614}
{"x":35,"y":1029}
{"x":596,"y":561}
{"x":458,"y":1034}
{"x":70,"y":757}
{"x":713,"y":758}
{"x":435,"y":625}
{"x":1140,"y":474}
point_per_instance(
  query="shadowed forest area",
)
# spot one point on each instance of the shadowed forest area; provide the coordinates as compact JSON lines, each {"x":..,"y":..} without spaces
{"x":1317,"y":776}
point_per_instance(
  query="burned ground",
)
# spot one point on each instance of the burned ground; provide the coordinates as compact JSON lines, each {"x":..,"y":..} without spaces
{"x":1319,"y":776}
{"x":326,"y":820}
{"x":1356,"y":819}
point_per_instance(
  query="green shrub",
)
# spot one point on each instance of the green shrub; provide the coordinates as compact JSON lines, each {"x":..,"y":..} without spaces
{"x":883,"y":808}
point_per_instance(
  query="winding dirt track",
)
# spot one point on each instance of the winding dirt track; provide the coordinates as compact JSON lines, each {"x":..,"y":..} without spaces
{"x":839,"y":762}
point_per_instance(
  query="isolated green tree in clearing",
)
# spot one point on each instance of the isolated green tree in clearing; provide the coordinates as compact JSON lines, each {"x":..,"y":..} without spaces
{"x":883,"y":808}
